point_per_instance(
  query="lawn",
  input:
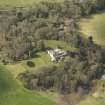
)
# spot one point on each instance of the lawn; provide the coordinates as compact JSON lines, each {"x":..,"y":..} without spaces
{"x":40,"y":60}
{"x":94,"y":26}
{"x":54,"y":44}
{"x":22,"y":2}
{"x":11,"y":93}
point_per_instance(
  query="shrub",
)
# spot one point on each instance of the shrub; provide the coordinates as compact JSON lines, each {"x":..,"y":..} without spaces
{"x":30,"y":64}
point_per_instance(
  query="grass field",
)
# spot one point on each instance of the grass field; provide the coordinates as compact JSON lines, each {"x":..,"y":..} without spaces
{"x":11,"y":93}
{"x":22,"y":2}
{"x":94,"y":26}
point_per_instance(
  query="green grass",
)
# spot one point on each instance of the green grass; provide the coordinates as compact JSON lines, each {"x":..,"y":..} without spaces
{"x":22,"y":2}
{"x":40,"y":60}
{"x":11,"y":93}
{"x":54,"y":44}
{"x":95,"y":26}
{"x":100,"y":82}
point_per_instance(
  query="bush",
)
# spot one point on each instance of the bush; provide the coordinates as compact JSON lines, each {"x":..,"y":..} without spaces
{"x":30,"y":64}
{"x":5,"y":62}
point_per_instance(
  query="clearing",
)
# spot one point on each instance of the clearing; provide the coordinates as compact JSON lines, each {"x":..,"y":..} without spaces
{"x":41,"y":59}
{"x":94,"y":26}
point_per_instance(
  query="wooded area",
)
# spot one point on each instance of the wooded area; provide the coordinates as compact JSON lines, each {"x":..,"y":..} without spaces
{"x":58,"y":21}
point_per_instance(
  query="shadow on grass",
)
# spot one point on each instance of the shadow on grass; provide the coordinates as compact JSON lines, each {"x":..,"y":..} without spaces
{"x":7,"y":83}
{"x":91,"y":15}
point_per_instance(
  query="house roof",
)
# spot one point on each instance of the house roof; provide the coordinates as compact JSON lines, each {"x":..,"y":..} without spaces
{"x":56,"y":54}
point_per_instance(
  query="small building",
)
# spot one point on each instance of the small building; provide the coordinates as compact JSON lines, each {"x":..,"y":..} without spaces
{"x":103,"y":77}
{"x":57,"y":54}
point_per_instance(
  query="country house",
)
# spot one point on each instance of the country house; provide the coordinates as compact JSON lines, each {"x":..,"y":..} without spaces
{"x":57,"y":54}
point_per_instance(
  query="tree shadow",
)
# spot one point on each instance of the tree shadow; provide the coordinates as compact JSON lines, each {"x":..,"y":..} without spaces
{"x":91,"y":15}
{"x":7,"y":83}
